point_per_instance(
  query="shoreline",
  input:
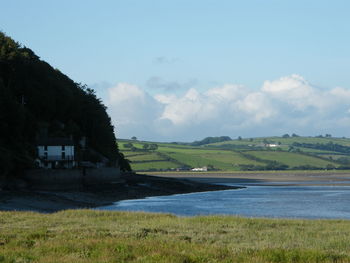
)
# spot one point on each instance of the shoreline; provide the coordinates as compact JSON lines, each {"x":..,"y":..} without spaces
{"x":136,"y":186}
{"x":139,"y":186}
{"x":266,"y":177}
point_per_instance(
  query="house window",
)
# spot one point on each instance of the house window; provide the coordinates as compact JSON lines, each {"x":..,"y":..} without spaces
{"x":63,"y":155}
{"x":45,"y":155}
{"x":63,"y":147}
{"x":45,"y":148}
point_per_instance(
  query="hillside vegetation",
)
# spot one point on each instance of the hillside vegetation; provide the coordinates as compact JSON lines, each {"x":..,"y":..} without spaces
{"x":270,"y":153}
{"x":101,"y":236}
{"x":35,"y":99}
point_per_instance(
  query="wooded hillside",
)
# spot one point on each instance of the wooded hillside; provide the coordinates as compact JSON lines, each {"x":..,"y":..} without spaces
{"x":36,"y":98}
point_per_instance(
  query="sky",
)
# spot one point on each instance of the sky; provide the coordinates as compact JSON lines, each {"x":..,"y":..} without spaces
{"x":182,"y":70}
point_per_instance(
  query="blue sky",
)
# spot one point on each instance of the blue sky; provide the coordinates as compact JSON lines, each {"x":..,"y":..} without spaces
{"x":168,"y":58}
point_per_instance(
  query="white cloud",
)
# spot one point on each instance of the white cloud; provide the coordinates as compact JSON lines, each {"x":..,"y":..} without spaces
{"x":295,"y":91}
{"x":257,"y":106}
{"x":125,"y":92}
{"x":165,"y":99}
{"x":289,"y":104}
{"x":340,"y":93}
{"x":157,"y":83}
{"x":132,"y":110}
{"x":228,"y":103}
{"x":192,"y":108}
{"x":227,"y":92}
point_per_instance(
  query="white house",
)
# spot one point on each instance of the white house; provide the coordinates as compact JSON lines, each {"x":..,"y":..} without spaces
{"x":56,"y":153}
{"x":200,"y":169}
{"x":271,"y":145}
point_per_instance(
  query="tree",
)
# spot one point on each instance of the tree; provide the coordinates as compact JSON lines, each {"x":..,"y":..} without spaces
{"x":285,"y":135}
{"x":133,"y":138}
{"x":128,"y":145}
{"x":209,"y":140}
{"x":330,"y":167}
{"x":239,"y":138}
{"x":145,"y":146}
{"x":124,"y":163}
{"x":51,"y":98}
{"x":210,"y":167}
{"x":153,"y":147}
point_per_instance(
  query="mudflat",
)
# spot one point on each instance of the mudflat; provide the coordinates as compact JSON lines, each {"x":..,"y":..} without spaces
{"x":265,"y":177}
{"x":140,"y":186}
{"x":134,"y":187}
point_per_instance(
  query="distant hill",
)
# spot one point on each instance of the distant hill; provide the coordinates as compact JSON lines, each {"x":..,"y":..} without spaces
{"x":209,"y":140}
{"x":36,"y":98}
{"x":254,"y":154}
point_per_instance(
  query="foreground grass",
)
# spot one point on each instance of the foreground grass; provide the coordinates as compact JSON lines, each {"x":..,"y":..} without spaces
{"x":99,"y":236}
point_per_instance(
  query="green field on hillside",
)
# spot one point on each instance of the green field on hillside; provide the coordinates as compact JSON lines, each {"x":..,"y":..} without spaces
{"x":105,"y":236}
{"x":243,"y":154}
{"x":315,"y":151}
{"x":144,"y":157}
{"x":291,"y":159}
{"x":286,"y":141}
{"x":223,"y":160}
{"x":150,"y":166}
{"x":334,"y":156}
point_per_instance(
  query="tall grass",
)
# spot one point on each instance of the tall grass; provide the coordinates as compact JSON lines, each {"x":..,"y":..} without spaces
{"x":101,"y":236}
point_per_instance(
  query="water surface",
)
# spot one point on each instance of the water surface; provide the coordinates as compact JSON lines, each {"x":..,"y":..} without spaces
{"x":254,"y":201}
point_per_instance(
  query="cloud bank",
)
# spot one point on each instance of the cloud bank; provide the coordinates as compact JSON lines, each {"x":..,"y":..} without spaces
{"x":157,"y":83}
{"x":286,"y":105}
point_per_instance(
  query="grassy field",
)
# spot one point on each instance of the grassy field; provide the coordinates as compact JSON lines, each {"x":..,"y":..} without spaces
{"x":233,"y":155}
{"x":153,"y":165}
{"x":148,"y":156}
{"x":99,"y":236}
{"x":291,"y":159}
{"x":224,"y":160}
{"x":287,"y":141}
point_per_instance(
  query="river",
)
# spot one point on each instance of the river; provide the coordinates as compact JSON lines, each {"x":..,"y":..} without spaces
{"x":271,"y":200}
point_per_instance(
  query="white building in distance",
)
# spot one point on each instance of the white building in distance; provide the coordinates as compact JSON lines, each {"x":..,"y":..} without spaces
{"x":200,"y":169}
{"x":56,"y":153}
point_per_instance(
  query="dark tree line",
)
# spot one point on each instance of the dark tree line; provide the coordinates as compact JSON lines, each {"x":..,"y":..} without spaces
{"x":34,"y":98}
{"x":208,"y":140}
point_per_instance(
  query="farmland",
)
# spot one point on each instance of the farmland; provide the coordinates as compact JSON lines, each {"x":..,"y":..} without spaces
{"x":291,"y":159}
{"x":268,"y":153}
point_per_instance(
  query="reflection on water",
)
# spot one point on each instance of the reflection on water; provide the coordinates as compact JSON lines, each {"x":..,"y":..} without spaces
{"x":253,"y":201}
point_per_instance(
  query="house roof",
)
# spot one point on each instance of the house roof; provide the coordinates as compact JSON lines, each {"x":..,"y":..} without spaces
{"x":55,"y":141}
